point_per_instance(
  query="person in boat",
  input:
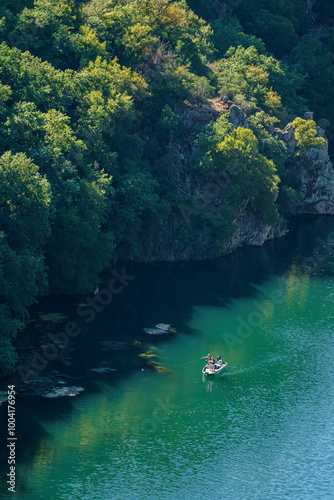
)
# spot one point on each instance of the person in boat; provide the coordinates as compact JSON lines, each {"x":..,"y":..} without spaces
{"x":210,"y":361}
{"x":219,"y":360}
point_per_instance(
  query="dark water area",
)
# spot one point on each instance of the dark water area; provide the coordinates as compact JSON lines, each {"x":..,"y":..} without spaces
{"x":135,"y":430}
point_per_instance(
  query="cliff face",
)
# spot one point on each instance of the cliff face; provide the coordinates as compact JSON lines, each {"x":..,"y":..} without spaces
{"x":315,"y":173}
{"x":317,"y":183}
{"x":251,"y":230}
{"x":313,"y":170}
{"x":316,"y":189}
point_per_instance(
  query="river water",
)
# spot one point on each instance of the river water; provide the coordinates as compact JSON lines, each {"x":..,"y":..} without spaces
{"x":263,"y":430}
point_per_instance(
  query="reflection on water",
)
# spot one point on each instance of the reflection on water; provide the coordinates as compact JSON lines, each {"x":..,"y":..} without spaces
{"x":297,"y":287}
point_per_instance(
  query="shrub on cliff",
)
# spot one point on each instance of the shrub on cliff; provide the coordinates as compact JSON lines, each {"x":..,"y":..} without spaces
{"x":306,"y":135}
{"x":258,"y":80}
{"x":248,"y":174}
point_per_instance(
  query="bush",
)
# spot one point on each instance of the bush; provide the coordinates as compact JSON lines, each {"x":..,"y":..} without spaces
{"x":306,"y":135}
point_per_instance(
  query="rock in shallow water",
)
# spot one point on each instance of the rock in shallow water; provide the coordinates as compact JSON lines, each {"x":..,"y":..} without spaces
{"x":103,"y":370}
{"x":64,"y":391}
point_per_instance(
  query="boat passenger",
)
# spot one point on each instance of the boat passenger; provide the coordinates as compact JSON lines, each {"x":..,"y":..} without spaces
{"x":208,"y":357}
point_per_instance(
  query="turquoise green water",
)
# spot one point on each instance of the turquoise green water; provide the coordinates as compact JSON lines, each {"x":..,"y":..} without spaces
{"x":263,"y":430}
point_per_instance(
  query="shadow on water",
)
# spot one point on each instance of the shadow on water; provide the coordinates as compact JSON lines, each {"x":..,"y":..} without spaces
{"x":160,"y":292}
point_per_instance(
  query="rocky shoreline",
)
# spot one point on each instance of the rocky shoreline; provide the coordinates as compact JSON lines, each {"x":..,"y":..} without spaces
{"x":52,"y":379}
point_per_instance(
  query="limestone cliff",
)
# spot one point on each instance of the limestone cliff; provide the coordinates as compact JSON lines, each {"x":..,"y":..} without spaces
{"x":314,"y":176}
{"x":251,"y":230}
{"x":314,"y":171}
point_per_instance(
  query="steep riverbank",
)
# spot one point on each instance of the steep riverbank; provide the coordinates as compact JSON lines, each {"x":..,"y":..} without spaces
{"x":308,"y":188}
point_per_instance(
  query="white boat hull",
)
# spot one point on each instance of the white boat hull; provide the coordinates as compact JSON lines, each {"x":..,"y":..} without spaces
{"x":207,"y":370}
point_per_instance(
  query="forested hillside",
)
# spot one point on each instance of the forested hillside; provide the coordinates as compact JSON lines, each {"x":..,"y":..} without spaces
{"x":113,"y":118}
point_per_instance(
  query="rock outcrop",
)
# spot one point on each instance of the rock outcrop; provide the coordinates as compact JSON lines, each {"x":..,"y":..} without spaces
{"x":251,"y":230}
{"x":317,"y":180}
{"x":237,"y":117}
{"x":180,"y":237}
{"x":288,"y":137}
{"x":315,"y":173}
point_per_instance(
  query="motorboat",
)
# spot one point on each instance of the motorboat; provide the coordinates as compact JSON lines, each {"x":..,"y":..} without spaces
{"x":210,"y":370}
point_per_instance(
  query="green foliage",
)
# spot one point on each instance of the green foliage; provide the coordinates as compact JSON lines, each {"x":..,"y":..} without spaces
{"x":289,"y":201}
{"x":206,"y":143}
{"x":137,"y":41}
{"x":257,"y":80}
{"x":8,"y":357}
{"x":5,"y":93}
{"x":219,"y":229}
{"x":248,"y":175}
{"x":263,"y":128}
{"x":132,"y":30}
{"x":47,"y":30}
{"x":25,"y":202}
{"x":306,"y":135}
{"x":89,"y":46}
{"x":229,"y":33}
{"x":278,"y":24}
{"x":8,"y":328}
{"x":136,"y":206}
{"x":78,"y":248}
{"x":169,"y":125}
{"x":252,"y":173}
{"x":270,"y":27}
{"x":312,"y":58}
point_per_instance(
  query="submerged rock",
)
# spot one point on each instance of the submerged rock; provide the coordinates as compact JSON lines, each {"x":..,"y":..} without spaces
{"x":53,"y":317}
{"x":103,"y":369}
{"x":147,"y":355}
{"x":59,"y":392}
{"x":160,"y":329}
{"x":156,"y":331}
{"x":158,"y":368}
